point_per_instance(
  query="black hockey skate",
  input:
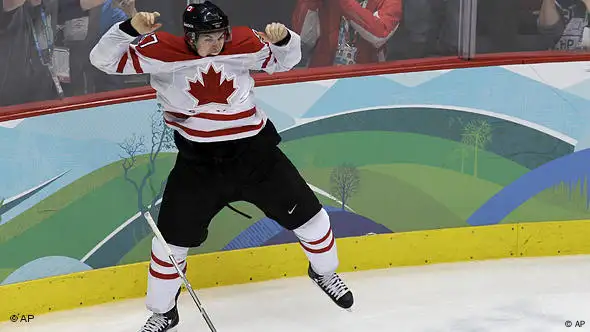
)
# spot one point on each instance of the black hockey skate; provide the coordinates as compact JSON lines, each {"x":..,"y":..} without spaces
{"x":334,"y":287}
{"x":162,"y":322}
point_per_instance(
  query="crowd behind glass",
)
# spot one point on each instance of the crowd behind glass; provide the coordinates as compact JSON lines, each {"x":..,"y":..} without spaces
{"x":44,"y":44}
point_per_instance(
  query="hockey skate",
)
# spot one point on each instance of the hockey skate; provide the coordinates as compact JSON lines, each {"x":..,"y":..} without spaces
{"x":162,"y":322}
{"x":334,"y":287}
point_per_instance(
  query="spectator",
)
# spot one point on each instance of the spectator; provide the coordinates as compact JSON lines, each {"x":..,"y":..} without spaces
{"x":169,"y":9}
{"x":114,"y":11}
{"x":429,"y":28}
{"x":570,"y":18}
{"x":342,"y":32}
{"x":525,"y":26}
{"x":72,"y":54}
{"x":26,"y":46}
{"x":248,"y":12}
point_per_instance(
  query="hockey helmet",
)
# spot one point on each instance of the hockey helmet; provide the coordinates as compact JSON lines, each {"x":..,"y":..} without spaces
{"x":204,"y":18}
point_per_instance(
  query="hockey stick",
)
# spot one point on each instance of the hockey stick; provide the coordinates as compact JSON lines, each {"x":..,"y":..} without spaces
{"x":160,"y":237}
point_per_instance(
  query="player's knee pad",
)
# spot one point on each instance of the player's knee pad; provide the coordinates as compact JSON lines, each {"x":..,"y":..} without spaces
{"x":318,"y":243}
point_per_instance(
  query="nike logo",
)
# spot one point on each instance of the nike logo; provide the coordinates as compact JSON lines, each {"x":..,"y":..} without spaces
{"x":293,"y":209}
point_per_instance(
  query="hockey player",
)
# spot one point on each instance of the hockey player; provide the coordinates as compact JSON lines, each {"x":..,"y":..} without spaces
{"x":228,"y":148}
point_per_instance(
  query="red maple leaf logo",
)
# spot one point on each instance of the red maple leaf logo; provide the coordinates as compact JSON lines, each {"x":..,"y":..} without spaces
{"x":212,"y":89}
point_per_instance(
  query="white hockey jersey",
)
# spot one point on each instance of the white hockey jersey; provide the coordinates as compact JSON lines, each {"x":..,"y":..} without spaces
{"x":205,"y":99}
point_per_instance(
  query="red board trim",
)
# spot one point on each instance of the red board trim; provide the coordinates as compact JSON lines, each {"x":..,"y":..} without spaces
{"x":298,"y":75}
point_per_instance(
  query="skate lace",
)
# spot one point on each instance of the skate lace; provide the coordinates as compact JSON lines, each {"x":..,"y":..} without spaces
{"x":334,"y":285}
{"x":155,"y":323}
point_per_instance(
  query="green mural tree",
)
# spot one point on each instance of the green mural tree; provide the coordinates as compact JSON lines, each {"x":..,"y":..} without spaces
{"x":461,"y":152}
{"x":458,"y":155}
{"x":344,"y":180}
{"x":476,"y":134}
{"x":162,"y":139}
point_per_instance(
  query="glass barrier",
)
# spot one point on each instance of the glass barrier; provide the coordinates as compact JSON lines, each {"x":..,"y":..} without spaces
{"x":44,"y":48}
{"x":39,"y":37}
{"x":48,"y":41}
{"x":532,"y":25}
{"x":343,"y":32}
{"x":428,"y":28}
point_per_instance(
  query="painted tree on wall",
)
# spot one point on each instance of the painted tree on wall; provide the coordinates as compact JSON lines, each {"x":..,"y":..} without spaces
{"x":476,"y":134}
{"x":345,"y":181}
{"x":462,"y":151}
{"x":161,"y":140}
{"x":458,"y":155}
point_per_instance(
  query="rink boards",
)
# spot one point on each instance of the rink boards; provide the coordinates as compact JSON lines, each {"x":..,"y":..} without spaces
{"x":537,"y":172}
{"x":279,"y":261}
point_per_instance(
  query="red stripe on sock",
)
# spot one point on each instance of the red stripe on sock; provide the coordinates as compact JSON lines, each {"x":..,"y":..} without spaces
{"x":165,"y":276}
{"x":320,"y":250}
{"x":322,"y":239}
{"x":162,"y":263}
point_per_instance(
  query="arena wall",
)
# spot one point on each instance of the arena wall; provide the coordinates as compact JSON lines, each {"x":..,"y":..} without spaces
{"x":452,"y":160}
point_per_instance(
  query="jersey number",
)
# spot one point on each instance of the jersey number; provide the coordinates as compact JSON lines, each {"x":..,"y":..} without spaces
{"x":148,"y":40}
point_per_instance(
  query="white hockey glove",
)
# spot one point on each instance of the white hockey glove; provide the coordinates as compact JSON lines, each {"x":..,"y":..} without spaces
{"x":145,"y":22}
{"x":275,"y":32}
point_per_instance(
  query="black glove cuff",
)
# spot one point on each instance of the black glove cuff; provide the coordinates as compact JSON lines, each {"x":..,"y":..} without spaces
{"x":285,"y":40}
{"x":128,"y":28}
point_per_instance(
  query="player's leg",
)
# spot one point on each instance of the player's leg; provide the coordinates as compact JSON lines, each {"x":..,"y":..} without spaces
{"x":278,"y":189}
{"x":192,"y":197}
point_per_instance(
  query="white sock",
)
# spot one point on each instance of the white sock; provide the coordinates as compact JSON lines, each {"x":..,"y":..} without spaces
{"x":318,"y":243}
{"x":163,"y":279}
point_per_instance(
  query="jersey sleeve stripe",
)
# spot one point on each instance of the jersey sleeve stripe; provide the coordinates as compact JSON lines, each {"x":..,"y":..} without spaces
{"x":267,"y":60}
{"x":216,"y":133}
{"x":135,"y":59}
{"x":122,"y":62}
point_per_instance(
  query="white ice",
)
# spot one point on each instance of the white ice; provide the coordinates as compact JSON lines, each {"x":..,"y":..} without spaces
{"x":524,"y":294}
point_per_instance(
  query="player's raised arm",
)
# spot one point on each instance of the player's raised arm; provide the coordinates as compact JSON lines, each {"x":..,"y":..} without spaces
{"x":114,"y":53}
{"x":282,"y":49}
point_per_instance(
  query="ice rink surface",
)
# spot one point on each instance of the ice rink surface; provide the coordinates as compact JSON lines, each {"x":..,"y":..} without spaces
{"x":525,"y":294}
